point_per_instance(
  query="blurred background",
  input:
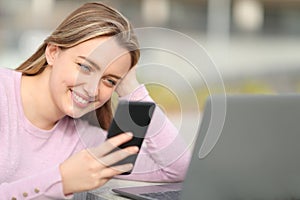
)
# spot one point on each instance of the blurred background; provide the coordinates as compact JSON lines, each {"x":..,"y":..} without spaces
{"x":255,"y":44}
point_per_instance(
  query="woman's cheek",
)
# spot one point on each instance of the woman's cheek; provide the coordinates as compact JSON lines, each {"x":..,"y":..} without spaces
{"x":105,"y":94}
{"x":102,"y":99}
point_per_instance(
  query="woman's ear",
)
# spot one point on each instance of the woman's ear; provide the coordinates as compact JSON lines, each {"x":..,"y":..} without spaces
{"x":51,"y":53}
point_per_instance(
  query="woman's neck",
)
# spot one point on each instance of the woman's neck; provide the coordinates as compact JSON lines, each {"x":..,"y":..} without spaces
{"x":37,"y":102}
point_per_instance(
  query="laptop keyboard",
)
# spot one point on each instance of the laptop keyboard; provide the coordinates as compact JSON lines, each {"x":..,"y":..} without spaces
{"x":86,"y":196}
{"x":91,"y":196}
{"x":172,"y":195}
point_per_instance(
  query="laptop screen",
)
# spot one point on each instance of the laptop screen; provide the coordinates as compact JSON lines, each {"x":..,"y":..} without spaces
{"x":256,"y":155}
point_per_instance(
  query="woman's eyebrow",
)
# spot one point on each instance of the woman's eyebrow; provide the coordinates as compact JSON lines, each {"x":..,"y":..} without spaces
{"x":91,"y":62}
{"x":114,"y":76}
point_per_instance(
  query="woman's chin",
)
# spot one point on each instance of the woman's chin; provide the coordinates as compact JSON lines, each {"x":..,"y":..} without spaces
{"x":75,"y":112}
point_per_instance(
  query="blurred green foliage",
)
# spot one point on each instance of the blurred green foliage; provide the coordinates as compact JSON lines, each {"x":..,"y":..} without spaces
{"x":166,"y":99}
{"x":170,"y":103}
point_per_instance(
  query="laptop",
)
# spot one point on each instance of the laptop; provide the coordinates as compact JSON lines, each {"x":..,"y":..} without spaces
{"x":252,"y":152}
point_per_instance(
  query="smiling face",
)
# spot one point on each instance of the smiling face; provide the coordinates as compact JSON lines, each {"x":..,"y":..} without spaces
{"x":85,"y":76}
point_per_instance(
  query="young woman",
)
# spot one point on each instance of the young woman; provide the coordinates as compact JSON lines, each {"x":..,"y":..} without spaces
{"x":47,"y":151}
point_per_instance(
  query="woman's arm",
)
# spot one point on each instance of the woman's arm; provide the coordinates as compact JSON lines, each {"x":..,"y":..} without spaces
{"x":164,"y":155}
{"x":46,"y":184}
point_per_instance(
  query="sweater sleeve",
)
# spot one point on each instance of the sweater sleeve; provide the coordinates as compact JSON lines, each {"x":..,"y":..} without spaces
{"x":164,"y":155}
{"x":44,"y":185}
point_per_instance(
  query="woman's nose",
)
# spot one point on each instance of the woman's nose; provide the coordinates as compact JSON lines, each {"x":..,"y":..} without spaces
{"x":91,"y":87}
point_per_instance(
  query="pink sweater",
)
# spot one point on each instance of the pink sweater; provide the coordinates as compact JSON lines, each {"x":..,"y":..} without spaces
{"x":30,"y":157}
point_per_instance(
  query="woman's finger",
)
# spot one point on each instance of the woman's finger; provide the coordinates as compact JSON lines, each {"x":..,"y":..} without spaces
{"x":110,"y":144}
{"x":112,"y":171}
{"x":118,"y":155}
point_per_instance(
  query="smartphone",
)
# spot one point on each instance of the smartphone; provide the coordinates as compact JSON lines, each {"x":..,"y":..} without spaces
{"x":134,"y":117}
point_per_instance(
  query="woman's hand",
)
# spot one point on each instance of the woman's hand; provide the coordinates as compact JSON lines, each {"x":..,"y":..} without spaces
{"x":128,"y":84}
{"x":90,"y":168}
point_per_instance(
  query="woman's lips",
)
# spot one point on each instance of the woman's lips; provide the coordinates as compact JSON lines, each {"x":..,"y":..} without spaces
{"x":79,"y":100}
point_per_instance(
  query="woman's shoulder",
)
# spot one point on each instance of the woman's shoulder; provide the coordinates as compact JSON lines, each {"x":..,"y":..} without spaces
{"x":7,"y":75}
{"x":7,"y":72}
{"x":9,"y":79}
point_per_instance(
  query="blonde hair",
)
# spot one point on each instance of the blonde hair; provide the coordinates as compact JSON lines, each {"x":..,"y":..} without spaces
{"x":89,"y":21}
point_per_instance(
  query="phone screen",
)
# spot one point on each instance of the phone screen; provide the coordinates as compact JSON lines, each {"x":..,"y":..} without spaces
{"x":135,"y":117}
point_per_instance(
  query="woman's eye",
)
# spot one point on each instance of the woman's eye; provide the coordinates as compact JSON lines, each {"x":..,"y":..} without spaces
{"x":84,"y":68}
{"x":110,"y":82}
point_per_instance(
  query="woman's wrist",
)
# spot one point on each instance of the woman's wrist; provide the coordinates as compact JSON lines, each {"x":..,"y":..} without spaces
{"x":127,"y":88}
{"x":139,"y":94}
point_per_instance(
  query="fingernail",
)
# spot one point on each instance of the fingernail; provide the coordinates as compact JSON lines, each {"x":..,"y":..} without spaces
{"x":135,"y":149}
{"x":128,"y":167}
{"x":129,"y":134}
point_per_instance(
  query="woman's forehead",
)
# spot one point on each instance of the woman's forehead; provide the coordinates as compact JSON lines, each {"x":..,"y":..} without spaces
{"x":98,"y":45}
{"x":104,"y":51}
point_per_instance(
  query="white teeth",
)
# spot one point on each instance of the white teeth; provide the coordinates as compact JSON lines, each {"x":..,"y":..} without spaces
{"x":79,"y":99}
